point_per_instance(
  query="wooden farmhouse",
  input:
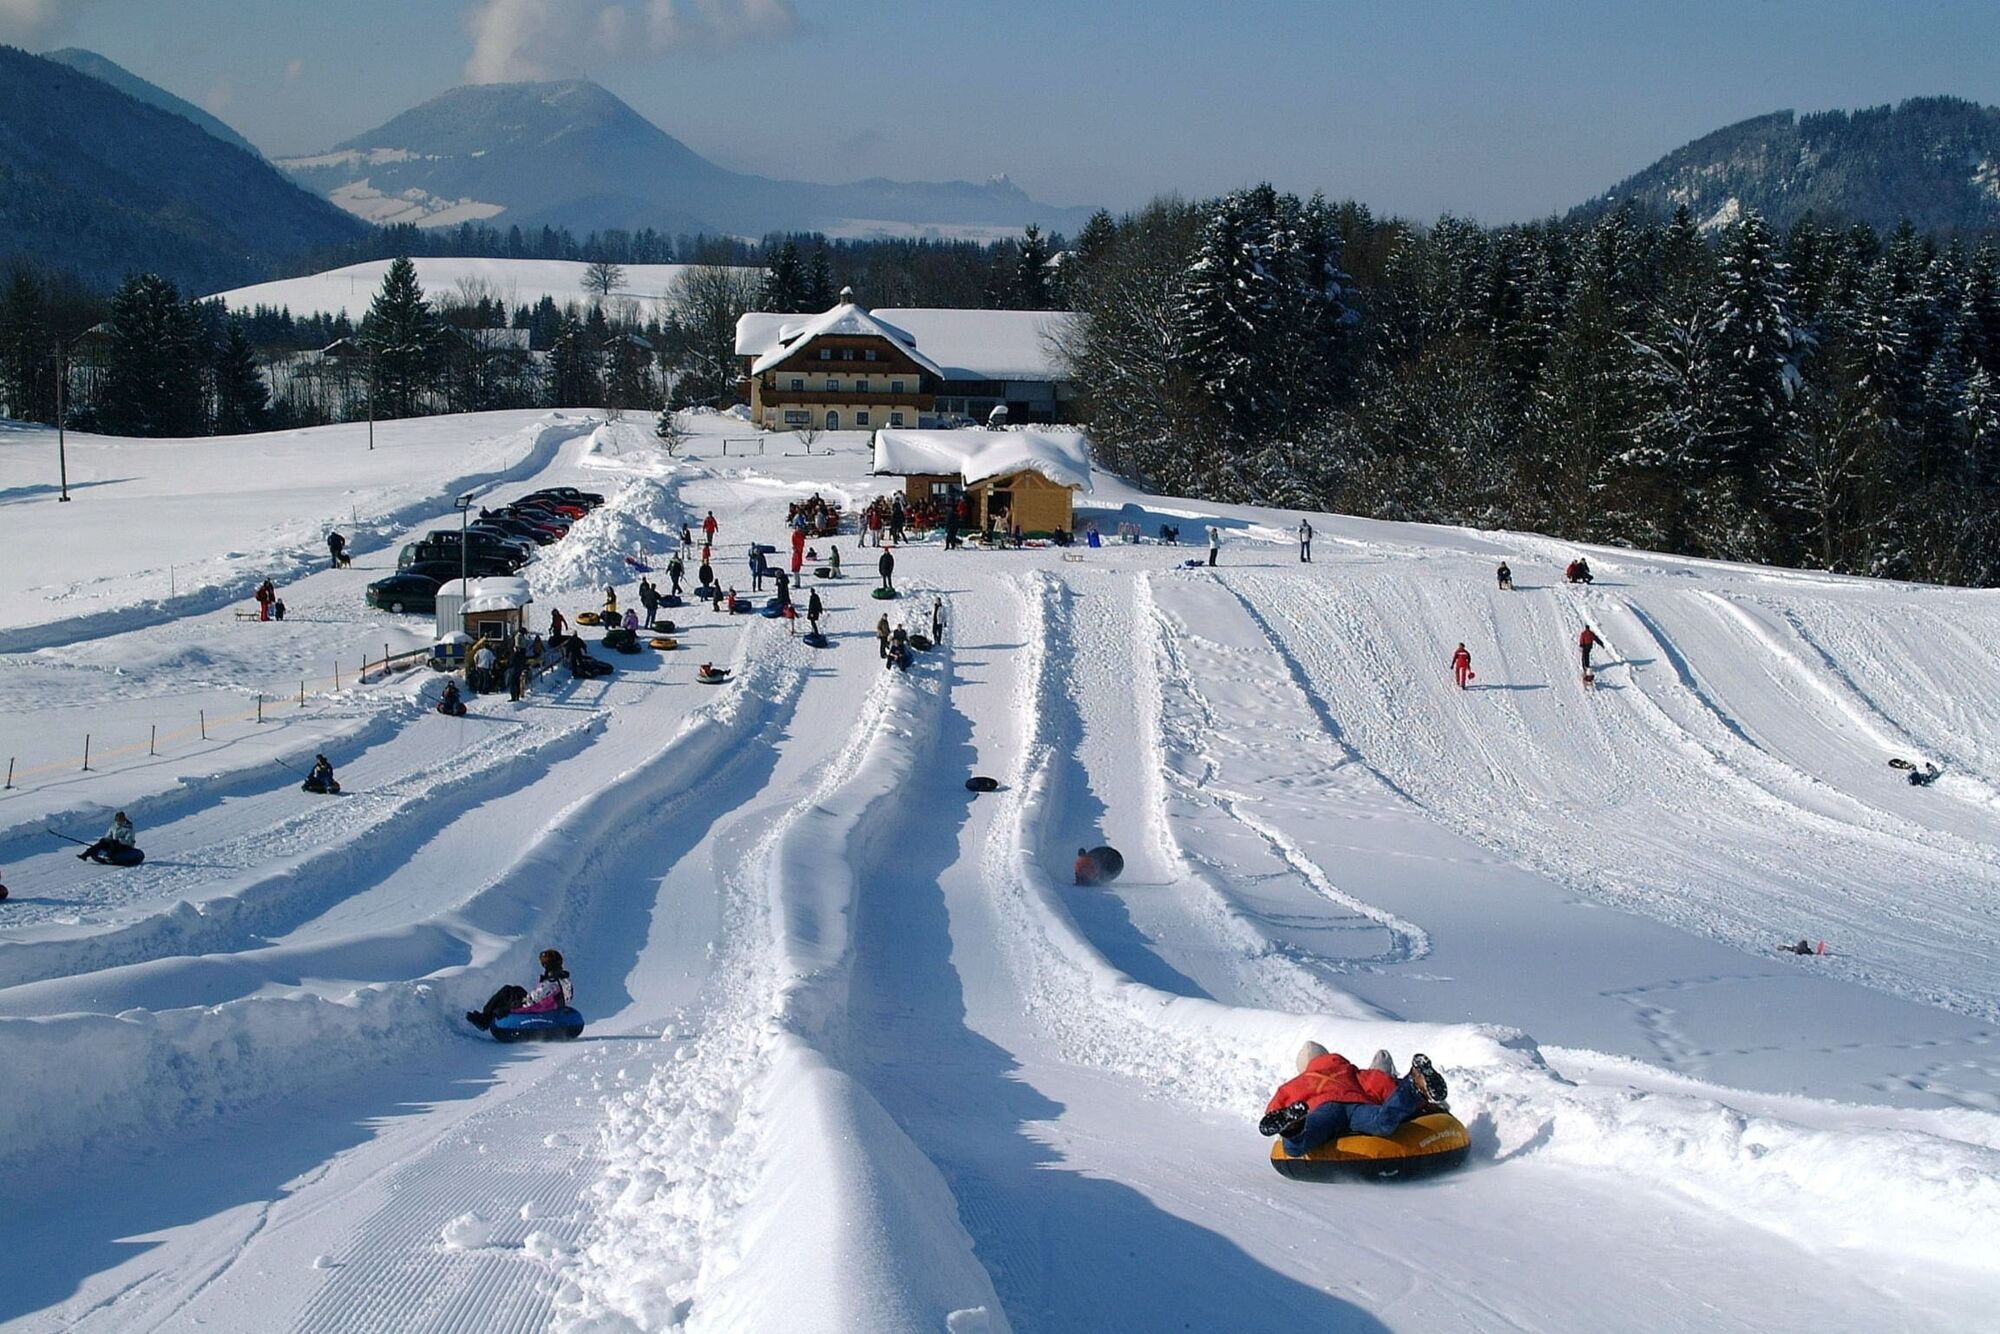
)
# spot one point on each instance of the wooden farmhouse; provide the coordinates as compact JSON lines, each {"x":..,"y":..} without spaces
{"x":851,"y":368}
{"x":1030,"y":478}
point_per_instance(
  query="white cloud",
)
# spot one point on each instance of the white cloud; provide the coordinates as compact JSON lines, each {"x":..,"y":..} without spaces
{"x":219,"y":97}
{"x":293,"y":68}
{"x":540,"y":39}
{"x":34,"y":20}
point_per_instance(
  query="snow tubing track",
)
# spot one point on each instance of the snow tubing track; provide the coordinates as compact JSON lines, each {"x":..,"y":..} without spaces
{"x":1423,"y":1146}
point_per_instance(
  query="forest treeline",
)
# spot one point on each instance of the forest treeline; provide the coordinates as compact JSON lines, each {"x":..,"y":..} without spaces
{"x":1822,"y":398}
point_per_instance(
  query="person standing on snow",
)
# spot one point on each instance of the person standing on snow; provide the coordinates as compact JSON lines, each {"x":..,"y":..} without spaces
{"x":1305,"y":542}
{"x":886,"y":567}
{"x":937,"y":620}
{"x":676,"y":571}
{"x":1587,"y":641}
{"x":336,"y":547}
{"x":649,"y":598}
{"x":757,"y":568}
{"x":814,"y":610}
{"x":798,"y":552}
{"x":882,"y":635}
{"x":1214,"y":544}
{"x":267,"y":593}
{"x":1505,"y":576}
{"x":687,"y":542}
{"x":708,"y":529}
{"x":1461,"y":666}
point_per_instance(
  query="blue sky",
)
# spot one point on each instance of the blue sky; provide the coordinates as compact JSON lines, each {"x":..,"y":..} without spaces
{"x":1498,"y":109}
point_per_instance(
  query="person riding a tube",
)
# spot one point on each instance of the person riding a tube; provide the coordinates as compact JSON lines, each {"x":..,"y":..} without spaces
{"x":321,"y":778}
{"x":119,"y":835}
{"x":1330,"y":1097}
{"x":1088,"y":872}
{"x":553,"y":992}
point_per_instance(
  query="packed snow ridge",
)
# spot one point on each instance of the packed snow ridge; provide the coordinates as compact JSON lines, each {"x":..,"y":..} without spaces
{"x":859,"y":1055}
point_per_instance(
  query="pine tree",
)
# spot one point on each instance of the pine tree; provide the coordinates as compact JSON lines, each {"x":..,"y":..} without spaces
{"x":1754,"y":333}
{"x":404,"y":342}
{"x":629,"y":384}
{"x":573,"y":377}
{"x":1094,"y":242}
{"x":1031,"y":272}
{"x":155,"y":369}
{"x":27,"y":350}
{"x":1228,"y":312}
{"x":819,"y":293}
{"x":242,"y":399}
{"x":784,"y":286}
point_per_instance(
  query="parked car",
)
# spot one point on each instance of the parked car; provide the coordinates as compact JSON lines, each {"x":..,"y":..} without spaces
{"x":415,"y":556}
{"x":446,"y":572}
{"x":572,"y":495}
{"x":518,"y":549}
{"x":404,"y":591}
{"x":505,"y":526}
{"x":538,"y":511}
{"x":551,"y":505}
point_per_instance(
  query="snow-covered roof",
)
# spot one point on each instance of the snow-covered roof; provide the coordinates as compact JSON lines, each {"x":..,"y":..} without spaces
{"x":506,"y":592}
{"x":845,"y":320}
{"x":1061,"y":456}
{"x":956,"y":344}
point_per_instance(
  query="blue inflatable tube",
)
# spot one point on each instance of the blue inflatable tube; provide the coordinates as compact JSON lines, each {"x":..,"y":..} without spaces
{"x":546,"y":1026}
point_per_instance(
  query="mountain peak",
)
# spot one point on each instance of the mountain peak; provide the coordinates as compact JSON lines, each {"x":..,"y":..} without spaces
{"x":1932,"y":160}
{"x":125,"y":81}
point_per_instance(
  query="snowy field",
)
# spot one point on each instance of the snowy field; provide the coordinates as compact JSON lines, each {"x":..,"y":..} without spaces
{"x":859,"y":1056}
{"x":518,"y":282}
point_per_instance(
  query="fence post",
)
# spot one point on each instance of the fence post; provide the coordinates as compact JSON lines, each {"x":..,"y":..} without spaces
{"x":260,"y":708}
{"x":336,"y":676}
{"x":153,"y":740}
{"x":86,"y":752}
{"x":204,"y":723}
{"x":10,"y":773}
{"x":302,"y":692}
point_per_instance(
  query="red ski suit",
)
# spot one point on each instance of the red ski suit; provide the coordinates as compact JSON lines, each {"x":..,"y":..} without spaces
{"x":1461,"y":667}
{"x":1333,"y":1078}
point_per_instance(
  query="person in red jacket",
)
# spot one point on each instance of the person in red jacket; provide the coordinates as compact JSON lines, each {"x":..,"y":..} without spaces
{"x":1330,"y":1098}
{"x":798,"y":552}
{"x":708,"y":526}
{"x":1087,"y":869}
{"x":1461,"y":666}
{"x":1587,"y":641}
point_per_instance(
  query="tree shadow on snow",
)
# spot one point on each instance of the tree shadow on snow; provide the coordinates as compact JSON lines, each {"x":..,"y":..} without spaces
{"x":1064,"y":1249}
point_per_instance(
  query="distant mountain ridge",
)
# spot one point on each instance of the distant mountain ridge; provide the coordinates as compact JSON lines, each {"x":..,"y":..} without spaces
{"x":95,"y":180}
{"x":125,"y":81}
{"x":572,"y":154}
{"x":1933,"y":160}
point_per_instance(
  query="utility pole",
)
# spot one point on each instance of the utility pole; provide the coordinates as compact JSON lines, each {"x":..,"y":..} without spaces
{"x":62,"y":444}
{"x":371,"y":398}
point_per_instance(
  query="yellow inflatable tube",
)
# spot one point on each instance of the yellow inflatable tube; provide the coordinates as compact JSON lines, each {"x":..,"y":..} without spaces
{"x":1433,"y":1142}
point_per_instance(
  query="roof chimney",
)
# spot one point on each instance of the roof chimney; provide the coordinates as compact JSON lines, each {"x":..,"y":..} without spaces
{"x":847,"y":297}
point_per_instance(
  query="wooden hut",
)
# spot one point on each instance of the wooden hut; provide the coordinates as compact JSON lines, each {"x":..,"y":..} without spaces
{"x":1029,"y":478}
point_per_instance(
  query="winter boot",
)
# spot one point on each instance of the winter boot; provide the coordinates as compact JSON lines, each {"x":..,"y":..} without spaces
{"x":1428,"y":1081}
{"x":1287,"y":1122}
{"x":1384,"y":1062}
{"x":478,"y":1019}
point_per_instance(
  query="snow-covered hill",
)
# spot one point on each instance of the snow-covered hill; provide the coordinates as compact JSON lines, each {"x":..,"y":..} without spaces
{"x":518,"y":282}
{"x":860,"y":1057}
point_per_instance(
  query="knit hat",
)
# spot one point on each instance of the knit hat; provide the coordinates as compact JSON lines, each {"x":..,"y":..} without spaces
{"x":1309,"y":1053}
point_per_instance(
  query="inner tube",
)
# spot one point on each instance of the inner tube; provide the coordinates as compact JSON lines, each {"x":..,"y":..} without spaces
{"x":814,"y":639}
{"x":1433,"y":1142}
{"x":664,"y":642}
{"x":822,"y":572}
{"x":981,"y":783}
{"x":711,"y":678}
{"x":545,"y":1026}
{"x":883,"y":593}
{"x":1110,"y":863}
{"x":588,"y":618}
{"x":921,"y":643}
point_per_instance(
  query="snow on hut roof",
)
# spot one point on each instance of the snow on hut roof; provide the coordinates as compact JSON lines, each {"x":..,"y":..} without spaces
{"x":1061,"y":456}
{"x":959,"y":344}
{"x":497,"y":593}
